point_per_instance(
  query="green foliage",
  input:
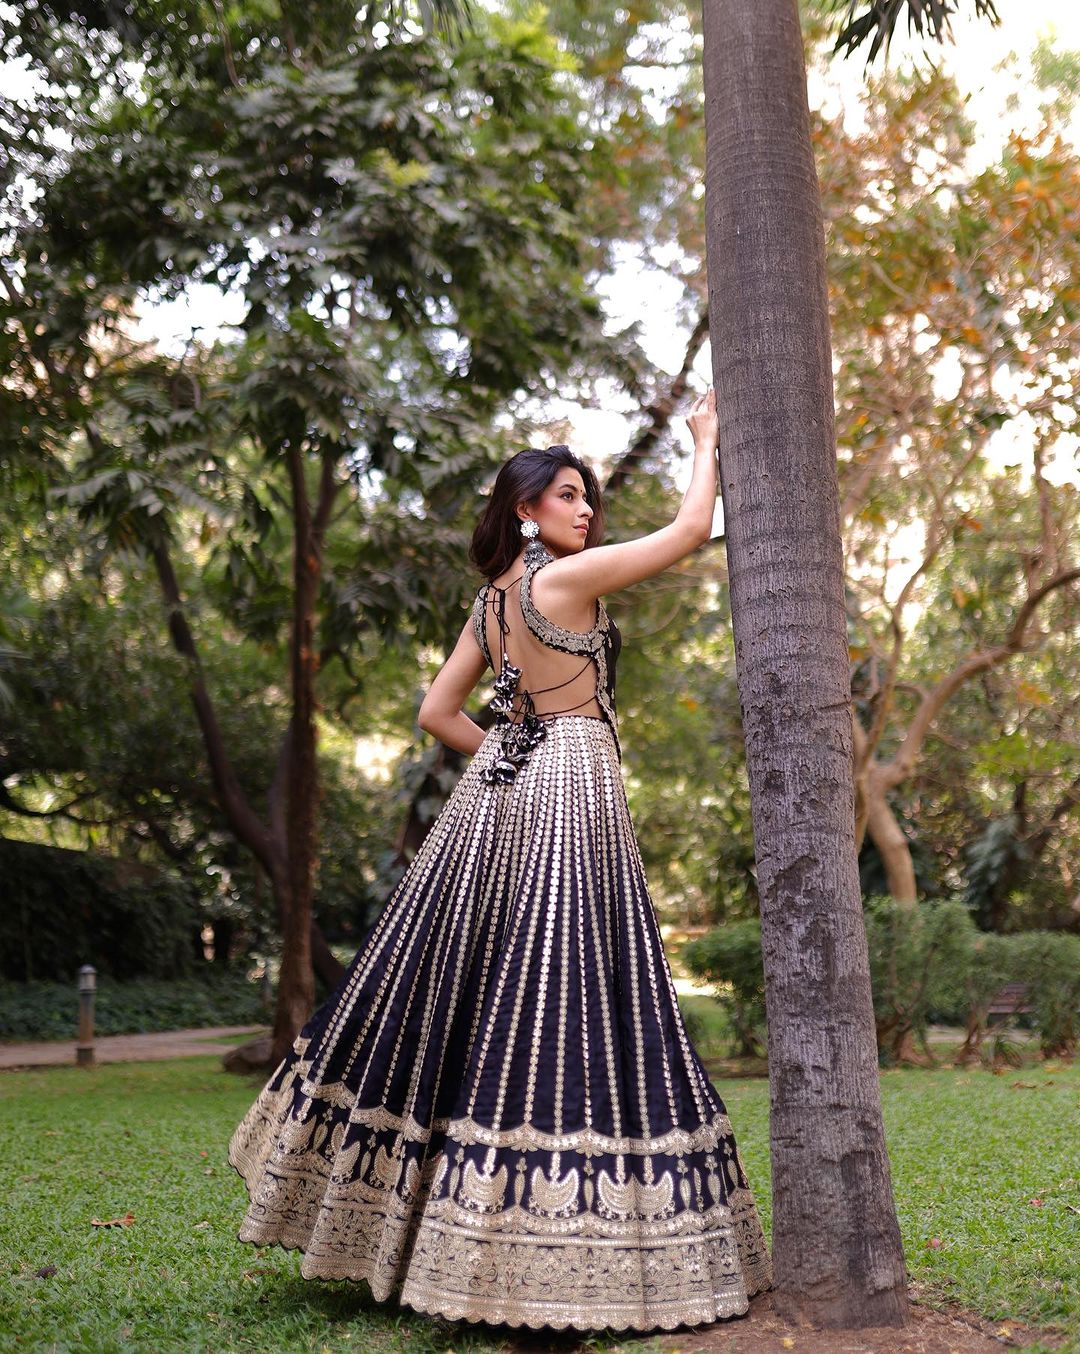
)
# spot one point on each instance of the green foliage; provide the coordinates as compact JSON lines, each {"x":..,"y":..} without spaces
{"x":707,"y":1025}
{"x":962,"y":993}
{"x":927,"y":962}
{"x":404,"y":229}
{"x":992,"y":859}
{"x":729,"y":957}
{"x":915,"y":953}
{"x":875,"y":20}
{"x":909,"y":255}
{"x":208,"y":997}
{"x":64,"y":909}
{"x":1049,"y":962}
{"x":926,"y":861}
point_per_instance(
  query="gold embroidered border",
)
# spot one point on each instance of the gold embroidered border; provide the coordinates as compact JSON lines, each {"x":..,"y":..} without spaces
{"x":468,"y":1258}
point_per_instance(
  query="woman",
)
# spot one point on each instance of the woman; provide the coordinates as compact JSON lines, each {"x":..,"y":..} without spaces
{"x":498,"y":1115}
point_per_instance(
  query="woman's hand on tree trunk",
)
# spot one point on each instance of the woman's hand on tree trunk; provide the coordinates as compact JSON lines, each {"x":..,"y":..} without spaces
{"x":702,"y":422}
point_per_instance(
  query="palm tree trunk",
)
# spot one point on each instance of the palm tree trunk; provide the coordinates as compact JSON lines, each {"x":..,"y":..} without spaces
{"x":837,"y":1251}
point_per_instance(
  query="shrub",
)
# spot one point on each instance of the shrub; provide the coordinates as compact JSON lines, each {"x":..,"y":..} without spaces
{"x":707,"y":1025}
{"x":729,"y":957}
{"x":918,"y":951}
{"x":991,"y":961}
{"x":143,"y":1006}
{"x":1049,"y":962}
{"x":926,"y":960}
{"x":63,"y":909}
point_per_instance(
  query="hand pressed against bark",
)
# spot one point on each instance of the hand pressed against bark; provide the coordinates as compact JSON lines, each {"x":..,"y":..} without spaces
{"x":605,"y":569}
{"x":702,"y":422}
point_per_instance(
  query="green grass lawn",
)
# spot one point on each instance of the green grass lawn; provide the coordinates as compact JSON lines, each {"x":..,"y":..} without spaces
{"x":970,"y":1152}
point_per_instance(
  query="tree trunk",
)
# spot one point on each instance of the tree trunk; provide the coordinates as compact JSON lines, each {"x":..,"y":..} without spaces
{"x":970,"y":1051}
{"x":893,"y":847}
{"x":837,"y":1251}
{"x":296,"y":981}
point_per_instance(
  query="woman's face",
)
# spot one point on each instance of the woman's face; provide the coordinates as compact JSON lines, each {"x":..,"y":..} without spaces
{"x":561,"y":512}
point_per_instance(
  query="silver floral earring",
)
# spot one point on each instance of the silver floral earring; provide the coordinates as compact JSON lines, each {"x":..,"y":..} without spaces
{"x":529,"y":529}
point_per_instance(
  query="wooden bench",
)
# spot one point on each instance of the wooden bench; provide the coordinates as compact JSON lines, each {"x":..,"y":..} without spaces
{"x":1012,"y":999}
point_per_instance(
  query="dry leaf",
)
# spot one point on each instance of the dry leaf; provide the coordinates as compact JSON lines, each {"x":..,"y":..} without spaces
{"x":45,"y":1272}
{"x":125,"y":1221}
{"x":252,"y":1274}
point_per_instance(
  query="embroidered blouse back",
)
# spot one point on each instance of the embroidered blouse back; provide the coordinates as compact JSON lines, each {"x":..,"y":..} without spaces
{"x":543,"y":670}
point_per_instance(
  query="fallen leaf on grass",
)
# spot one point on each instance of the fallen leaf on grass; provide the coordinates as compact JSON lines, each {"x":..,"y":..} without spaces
{"x":253,"y":1274}
{"x":125,"y":1221}
{"x":933,"y":1243}
{"x":45,"y":1272}
{"x":200,"y":1225}
{"x":1025,"y":1086}
{"x":1038,"y":1203}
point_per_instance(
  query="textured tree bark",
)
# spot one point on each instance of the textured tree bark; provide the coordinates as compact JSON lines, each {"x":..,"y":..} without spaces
{"x":836,"y":1242}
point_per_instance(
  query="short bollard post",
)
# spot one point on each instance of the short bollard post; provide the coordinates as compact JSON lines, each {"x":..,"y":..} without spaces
{"x":84,"y":1049}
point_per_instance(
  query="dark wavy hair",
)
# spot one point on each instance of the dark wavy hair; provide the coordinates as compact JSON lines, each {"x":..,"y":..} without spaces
{"x":497,"y":539}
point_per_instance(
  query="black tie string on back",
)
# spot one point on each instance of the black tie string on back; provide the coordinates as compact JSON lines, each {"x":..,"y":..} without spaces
{"x":506,"y":667}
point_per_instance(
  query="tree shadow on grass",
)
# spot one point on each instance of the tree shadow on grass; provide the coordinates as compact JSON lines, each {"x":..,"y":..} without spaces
{"x":330,"y":1301}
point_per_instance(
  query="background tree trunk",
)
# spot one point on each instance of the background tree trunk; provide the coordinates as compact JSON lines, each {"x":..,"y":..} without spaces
{"x":893,"y":846}
{"x":836,"y":1243}
{"x":296,"y":979}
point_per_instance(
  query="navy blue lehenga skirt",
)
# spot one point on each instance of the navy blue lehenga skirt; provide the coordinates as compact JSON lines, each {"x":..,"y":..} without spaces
{"x":498,"y":1115}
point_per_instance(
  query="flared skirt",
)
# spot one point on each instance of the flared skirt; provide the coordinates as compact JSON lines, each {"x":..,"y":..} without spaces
{"x":498,"y":1115}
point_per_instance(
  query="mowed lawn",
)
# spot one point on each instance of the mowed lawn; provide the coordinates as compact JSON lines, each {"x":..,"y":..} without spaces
{"x":984,"y":1170}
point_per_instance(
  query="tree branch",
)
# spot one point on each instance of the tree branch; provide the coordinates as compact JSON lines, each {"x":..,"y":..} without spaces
{"x":659,"y":412}
{"x":230,"y":794}
{"x":903,"y":762}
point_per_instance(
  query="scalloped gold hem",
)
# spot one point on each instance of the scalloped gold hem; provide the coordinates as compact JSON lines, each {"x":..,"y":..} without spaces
{"x":498,"y":1315}
{"x":501,"y":1315}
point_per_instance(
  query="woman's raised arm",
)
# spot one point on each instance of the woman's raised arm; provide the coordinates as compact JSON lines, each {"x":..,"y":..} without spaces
{"x":608,"y":568}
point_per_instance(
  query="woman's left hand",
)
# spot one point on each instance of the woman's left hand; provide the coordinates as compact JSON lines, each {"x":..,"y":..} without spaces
{"x":702,"y":422}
